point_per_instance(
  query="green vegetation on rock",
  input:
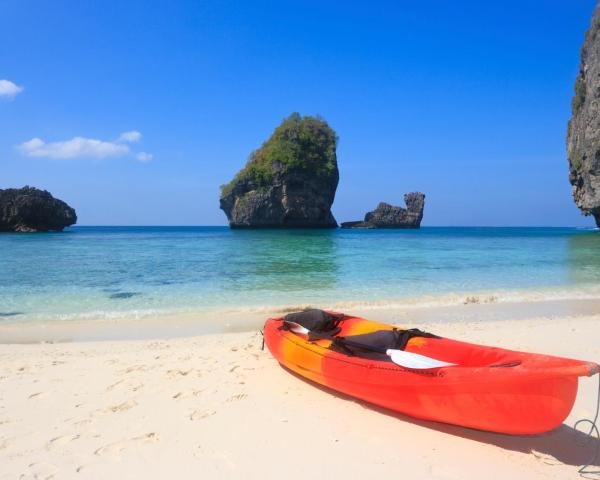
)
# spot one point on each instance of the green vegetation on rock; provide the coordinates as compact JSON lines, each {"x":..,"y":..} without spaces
{"x":576,"y":160}
{"x":306,"y":143}
{"x":580,"y":92}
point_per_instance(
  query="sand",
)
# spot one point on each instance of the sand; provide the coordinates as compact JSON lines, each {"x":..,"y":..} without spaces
{"x":216,"y":406}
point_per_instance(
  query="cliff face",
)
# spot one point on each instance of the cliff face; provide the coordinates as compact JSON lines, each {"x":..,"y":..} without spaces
{"x":389,"y":216}
{"x":28,"y":209}
{"x":583,"y":136}
{"x":289,"y":182}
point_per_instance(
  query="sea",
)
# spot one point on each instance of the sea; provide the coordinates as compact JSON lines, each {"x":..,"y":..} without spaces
{"x":91,"y":273}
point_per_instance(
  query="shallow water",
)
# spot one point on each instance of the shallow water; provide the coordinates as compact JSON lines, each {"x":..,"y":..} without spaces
{"x":106,"y":272}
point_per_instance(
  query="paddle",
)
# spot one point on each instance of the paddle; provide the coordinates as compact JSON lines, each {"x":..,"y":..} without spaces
{"x":414,"y":360}
{"x":399,"y":357}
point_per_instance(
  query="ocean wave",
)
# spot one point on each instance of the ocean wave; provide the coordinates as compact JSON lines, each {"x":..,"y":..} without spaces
{"x":487,"y":297}
{"x":227,"y":315}
{"x":433,"y":301}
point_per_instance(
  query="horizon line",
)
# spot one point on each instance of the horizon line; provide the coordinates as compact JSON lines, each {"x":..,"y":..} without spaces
{"x":581,"y":227}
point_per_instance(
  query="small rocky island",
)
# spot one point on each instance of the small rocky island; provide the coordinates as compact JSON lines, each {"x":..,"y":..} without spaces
{"x":389,"y":216}
{"x":583,"y":135}
{"x":28,"y":209}
{"x":289,"y":182}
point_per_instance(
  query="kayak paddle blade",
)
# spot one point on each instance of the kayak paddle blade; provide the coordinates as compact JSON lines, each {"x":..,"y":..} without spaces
{"x":415,"y":361}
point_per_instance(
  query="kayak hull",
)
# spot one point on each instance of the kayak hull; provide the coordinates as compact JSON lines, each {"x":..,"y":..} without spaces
{"x":500,"y":391}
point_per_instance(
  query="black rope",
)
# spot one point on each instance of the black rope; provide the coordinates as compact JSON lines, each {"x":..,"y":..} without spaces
{"x":262,"y":347}
{"x":590,"y":436}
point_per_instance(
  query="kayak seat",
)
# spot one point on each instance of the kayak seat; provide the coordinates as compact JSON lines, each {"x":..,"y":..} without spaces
{"x":374,"y":345}
{"x":316,"y":321}
{"x":322,"y":325}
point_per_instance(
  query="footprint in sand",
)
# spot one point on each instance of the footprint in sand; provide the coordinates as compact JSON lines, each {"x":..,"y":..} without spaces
{"x":59,"y":441}
{"x":81,"y":423}
{"x":178,"y":373}
{"x":134,"y":386}
{"x":114,"y":385}
{"x":115,"y":448}
{"x":182,"y":395}
{"x":137,"y":368}
{"x":39,"y":471}
{"x":5,"y":443}
{"x":122,"y":407}
{"x":239,"y":396}
{"x":200,"y":414}
{"x":37,"y":395}
{"x":545,"y":458}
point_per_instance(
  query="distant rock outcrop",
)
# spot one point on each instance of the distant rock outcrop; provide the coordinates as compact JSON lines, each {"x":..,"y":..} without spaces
{"x":28,"y":209}
{"x":290,"y":181}
{"x":389,"y":216}
{"x":583,"y":136}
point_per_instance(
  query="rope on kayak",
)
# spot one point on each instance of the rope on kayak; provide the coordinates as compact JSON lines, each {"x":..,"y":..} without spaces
{"x":590,"y":436}
{"x":262,"y":347}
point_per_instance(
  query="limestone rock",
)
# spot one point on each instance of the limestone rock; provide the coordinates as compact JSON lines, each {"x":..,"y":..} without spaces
{"x":290,"y":181}
{"x":389,"y":216}
{"x":583,"y":136}
{"x":28,"y":209}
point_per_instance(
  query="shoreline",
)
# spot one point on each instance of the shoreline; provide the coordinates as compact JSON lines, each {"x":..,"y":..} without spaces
{"x":152,"y":408}
{"x":454,"y":308}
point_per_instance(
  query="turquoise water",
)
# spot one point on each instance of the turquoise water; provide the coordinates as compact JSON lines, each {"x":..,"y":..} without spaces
{"x":104,"y":272}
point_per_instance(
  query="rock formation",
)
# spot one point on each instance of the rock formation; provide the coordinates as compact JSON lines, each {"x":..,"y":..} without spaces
{"x":583,"y":136}
{"x":290,"y":181}
{"x":389,"y":216}
{"x":28,"y":209}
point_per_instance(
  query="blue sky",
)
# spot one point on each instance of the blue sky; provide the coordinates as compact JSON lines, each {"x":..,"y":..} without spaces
{"x":466,"y":101}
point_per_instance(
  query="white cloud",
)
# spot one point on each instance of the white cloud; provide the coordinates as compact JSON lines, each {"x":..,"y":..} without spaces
{"x":74,"y":148}
{"x":81,"y":147}
{"x":9,"y":89}
{"x":130,"y":137}
{"x":144,"y":157}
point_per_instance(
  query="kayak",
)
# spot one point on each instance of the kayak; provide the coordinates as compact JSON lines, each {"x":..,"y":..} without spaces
{"x":475,"y":386}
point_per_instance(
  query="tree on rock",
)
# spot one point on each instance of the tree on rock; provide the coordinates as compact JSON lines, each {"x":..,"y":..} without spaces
{"x":290,"y":181}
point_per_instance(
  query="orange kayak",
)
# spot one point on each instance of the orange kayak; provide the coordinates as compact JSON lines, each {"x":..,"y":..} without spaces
{"x":486,"y":388}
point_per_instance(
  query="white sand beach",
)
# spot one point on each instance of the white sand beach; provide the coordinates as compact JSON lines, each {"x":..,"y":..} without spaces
{"x":176,"y":173}
{"x":216,"y":406}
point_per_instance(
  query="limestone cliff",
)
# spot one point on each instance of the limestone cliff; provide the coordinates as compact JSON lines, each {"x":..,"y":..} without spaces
{"x":583,"y":136}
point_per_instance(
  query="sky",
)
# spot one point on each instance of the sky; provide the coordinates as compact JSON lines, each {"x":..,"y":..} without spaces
{"x":136,"y":112}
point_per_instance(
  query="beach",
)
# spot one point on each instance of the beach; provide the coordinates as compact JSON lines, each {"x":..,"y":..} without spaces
{"x":217,"y":406}
{"x":179,"y":177}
